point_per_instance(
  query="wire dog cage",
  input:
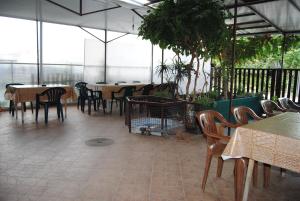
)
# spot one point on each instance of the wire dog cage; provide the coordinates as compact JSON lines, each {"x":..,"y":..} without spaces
{"x":151,"y":115}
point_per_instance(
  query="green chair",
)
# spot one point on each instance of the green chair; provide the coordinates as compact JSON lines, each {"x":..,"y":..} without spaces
{"x":120,"y":96}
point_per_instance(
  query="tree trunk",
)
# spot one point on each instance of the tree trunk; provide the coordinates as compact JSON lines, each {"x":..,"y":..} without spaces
{"x":189,"y":76}
{"x":196,"y":76}
{"x":205,"y":78}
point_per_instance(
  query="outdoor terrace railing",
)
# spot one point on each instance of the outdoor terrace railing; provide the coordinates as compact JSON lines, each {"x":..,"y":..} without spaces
{"x":270,"y":82}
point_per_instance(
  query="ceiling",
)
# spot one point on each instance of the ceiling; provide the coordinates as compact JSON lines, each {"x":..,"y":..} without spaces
{"x":254,"y":16}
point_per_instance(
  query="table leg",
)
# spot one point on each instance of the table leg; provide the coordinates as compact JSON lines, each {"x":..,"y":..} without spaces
{"x":22,"y":112}
{"x":239,"y":175}
{"x":248,"y":179}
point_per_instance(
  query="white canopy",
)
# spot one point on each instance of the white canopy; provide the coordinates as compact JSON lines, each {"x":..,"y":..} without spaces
{"x":266,"y":16}
{"x":113,"y":15}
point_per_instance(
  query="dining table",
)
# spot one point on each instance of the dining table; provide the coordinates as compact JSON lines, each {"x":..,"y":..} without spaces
{"x":107,"y":89}
{"x":274,"y":141}
{"x":27,"y":93}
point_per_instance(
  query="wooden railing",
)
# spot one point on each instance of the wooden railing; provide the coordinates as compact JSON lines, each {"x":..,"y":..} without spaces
{"x":270,"y":82}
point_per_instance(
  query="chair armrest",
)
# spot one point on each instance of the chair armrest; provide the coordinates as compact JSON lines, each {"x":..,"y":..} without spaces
{"x":279,"y":108}
{"x":255,"y":116}
{"x":227,"y":124}
{"x":294,"y":105}
{"x":218,"y":137}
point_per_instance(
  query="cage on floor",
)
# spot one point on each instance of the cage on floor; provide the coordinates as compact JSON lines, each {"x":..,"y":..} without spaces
{"x":151,"y":115}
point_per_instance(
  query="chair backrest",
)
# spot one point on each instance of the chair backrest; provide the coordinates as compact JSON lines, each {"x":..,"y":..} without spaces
{"x":78,"y":85}
{"x":269,"y":107}
{"x":146,"y":89}
{"x":284,"y":103}
{"x":84,"y":92}
{"x":208,"y":124}
{"x":9,"y":84}
{"x":54,"y":94}
{"x":242,"y":114}
{"x":128,"y":91}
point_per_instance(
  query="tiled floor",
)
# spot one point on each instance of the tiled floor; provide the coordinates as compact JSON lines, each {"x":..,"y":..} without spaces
{"x":53,"y":163}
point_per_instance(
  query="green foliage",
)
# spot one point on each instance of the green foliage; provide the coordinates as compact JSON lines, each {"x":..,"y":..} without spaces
{"x":193,"y":28}
{"x":274,"y":98}
{"x":266,"y":51}
{"x":187,"y":27}
{"x":163,"y":94}
{"x":204,"y":101}
{"x":241,"y":94}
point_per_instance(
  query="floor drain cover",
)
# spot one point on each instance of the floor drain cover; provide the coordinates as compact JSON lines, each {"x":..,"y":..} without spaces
{"x":99,"y":142}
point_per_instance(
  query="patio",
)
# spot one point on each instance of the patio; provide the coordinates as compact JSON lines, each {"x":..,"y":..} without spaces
{"x":154,"y":102}
{"x":45,"y":163}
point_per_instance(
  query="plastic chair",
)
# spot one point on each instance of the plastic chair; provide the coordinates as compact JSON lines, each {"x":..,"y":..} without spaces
{"x":241,"y":115}
{"x":53,"y":96}
{"x":216,"y":140}
{"x":271,"y":108}
{"x":78,"y":85}
{"x":11,"y":108}
{"x":145,"y":90}
{"x":91,"y":96}
{"x":288,"y":105}
{"x":120,"y":96}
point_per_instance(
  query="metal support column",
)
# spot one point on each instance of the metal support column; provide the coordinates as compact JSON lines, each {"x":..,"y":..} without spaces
{"x":105,"y":53}
{"x":232,"y":60}
{"x":39,"y":41}
{"x":283,"y":50}
{"x":162,"y":63}
{"x":151,"y":73}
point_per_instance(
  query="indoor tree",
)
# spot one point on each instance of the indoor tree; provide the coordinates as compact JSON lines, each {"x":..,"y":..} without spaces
{"x":193,"y":28}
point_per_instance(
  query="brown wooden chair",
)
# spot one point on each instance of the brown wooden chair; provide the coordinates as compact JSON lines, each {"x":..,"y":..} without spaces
{"x":271,"y":108}
{"x":288,"y":105}
{"x":241,"y":115}
{"x":216,"y":140}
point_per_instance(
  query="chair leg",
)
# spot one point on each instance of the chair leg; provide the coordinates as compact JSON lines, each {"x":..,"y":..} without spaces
{"x":220,"y":166}
{"x":209,"y":156}
{"x":111,"y":106}
{"x":62,"y":112}
{"x":121,"y":107}
{"x":89,"y":107}
{"x":78,"y":102}
{"x":58,"y":110}
{"x":31,"y":106}
{"x":103,"y":105}
{"x":267,"y":174}
{"x":24,"y":106}
{"x":13,"y":108}
{"x":82,"y":102}
{"x":255,"y":174}
{"x":46,"y":113}
{"x":95,"y":105}
{"x":10,"y":106}
{"x":282,"y":172}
